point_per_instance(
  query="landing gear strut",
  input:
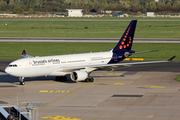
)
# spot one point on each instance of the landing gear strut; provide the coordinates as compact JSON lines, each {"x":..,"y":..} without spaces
{"x":61,"y":78}
{"x":21,"y":79}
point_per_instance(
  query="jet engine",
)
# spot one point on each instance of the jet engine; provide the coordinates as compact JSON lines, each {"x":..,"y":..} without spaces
{"x":79,"y":75}
{"x":127,"y":54}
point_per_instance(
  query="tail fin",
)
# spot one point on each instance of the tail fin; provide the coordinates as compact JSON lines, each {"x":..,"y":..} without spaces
{"x":126,"y":40}
{"x":25,"y":55}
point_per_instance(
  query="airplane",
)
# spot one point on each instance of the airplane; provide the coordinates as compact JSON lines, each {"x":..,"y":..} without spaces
{"x":78,"y":66}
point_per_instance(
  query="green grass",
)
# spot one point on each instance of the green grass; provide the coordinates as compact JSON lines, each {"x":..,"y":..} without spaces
{"x":178,"y":78}
{"x":12,"y":50}
{"x":88,"y":29}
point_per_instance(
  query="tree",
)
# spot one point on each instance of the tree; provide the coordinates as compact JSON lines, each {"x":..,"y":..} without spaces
{"x":18,"y":10}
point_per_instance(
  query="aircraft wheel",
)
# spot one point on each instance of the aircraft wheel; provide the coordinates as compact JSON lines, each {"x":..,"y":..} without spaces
{"x":91,"y":79}
{"x":87,"y":80}
{"x":22,"y":83}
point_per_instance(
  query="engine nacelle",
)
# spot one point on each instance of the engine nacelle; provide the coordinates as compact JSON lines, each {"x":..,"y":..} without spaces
{"x":127,"y":54}
{"x":79,"y":75}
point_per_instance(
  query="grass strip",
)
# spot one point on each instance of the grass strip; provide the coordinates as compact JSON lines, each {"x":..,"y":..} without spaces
{"x":88,"y":29}
{"x":178,"y":78}
{"x":13,"y":50}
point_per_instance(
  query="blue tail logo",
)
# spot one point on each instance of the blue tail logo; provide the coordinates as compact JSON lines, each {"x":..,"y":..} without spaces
{"x":123,"y":48}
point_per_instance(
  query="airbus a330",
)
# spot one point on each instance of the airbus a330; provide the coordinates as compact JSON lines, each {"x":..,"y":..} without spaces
{"x":78,"y":66}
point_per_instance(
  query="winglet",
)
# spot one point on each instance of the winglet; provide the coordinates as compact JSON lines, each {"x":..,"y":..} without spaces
{"x":171,"y":58}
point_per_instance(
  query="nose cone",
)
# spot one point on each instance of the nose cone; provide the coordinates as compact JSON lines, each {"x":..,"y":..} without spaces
{"x":7,"y":70}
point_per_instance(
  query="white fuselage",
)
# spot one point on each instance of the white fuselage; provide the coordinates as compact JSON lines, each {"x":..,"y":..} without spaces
{"x":54,"y":65}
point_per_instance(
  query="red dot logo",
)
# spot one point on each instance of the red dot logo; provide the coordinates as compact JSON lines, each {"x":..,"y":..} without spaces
{"x":120,"y":47}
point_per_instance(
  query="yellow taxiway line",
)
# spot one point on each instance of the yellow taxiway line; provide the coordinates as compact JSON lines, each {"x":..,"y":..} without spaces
{"x":60,"y":118}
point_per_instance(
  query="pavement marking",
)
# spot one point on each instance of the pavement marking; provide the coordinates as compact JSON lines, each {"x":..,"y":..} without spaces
{"x":134,"y":59}
{"x":154,"y":87}
{"x":54,"y":91}
{"x":103,"y":74}
{"x":116,"y":83}
{"x":114,"y":73}
{"x":38,"y":102}
{"x":60,"y":118}
{"x":60,"y":97}
{"x":111,"y":83}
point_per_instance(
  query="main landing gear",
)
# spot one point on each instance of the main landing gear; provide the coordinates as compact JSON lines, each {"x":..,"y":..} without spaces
{"x":21,"y":79}
{"x":61,"y":78}
{"x":90,"y":79}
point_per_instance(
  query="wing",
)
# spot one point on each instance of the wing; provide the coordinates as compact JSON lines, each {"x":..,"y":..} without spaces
{"x":25,"y":55}
{"x":91,"y":68}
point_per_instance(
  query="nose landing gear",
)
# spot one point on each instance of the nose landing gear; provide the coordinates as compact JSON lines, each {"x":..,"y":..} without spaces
{"x":21,"y":79}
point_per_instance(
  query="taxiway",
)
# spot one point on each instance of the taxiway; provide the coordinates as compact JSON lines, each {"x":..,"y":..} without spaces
{"x":138,"y":92}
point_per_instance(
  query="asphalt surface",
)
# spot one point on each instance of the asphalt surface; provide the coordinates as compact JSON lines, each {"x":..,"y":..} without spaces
{"x":151,"y":93}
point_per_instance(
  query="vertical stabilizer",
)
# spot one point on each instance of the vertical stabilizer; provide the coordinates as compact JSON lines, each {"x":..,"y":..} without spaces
{"x":123,"y":48}
{"x":125,"y":43}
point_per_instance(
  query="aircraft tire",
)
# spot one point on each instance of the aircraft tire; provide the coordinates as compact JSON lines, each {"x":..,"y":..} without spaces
{"x":22,"y":83}
{"x":91,"y":79}
{"x":87,"y":80}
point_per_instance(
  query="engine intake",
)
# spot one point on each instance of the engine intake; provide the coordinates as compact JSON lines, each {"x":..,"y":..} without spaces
{"x":127,"y":54}
{"x":79,"y":75}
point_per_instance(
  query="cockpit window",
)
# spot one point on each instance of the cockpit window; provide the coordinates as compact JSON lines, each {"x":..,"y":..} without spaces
{"x":14,"y":65}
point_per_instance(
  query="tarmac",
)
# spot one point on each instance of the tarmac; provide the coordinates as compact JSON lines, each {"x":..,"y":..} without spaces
{"x":137,"y":92}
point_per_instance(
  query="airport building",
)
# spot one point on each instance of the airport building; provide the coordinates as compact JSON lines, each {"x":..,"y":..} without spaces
{"x":74,"y":12}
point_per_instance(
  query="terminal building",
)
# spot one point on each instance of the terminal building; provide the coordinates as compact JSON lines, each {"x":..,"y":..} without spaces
{"x":74,"y":12}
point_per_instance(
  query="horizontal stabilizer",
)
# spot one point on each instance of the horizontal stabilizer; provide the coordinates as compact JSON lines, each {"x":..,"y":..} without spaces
{"x":144,"y":52}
